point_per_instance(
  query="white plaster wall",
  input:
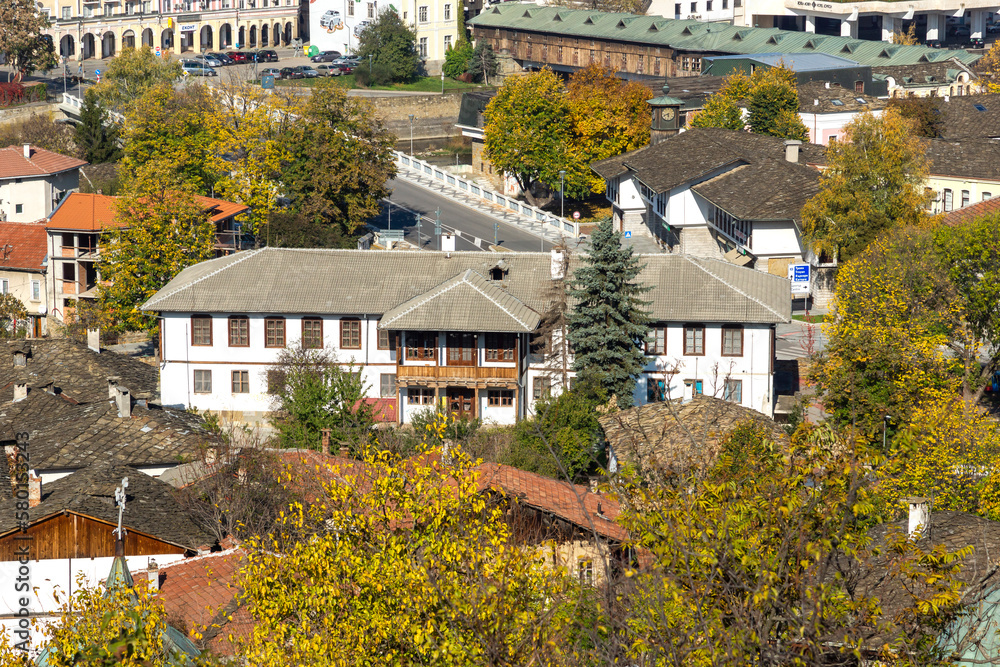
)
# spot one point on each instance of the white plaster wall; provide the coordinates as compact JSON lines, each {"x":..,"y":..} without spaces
{"x":977,"y":188}
{"x":776,"y":239}
{"x":628,"y":196}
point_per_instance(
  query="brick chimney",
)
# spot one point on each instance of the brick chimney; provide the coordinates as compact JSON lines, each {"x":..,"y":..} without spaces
{"x":34,"y":489}
{"x":94,"y":340}
{"x":792,"y":149}
{"x":345,"y":452}
{"x":920,"y":517}
{"x":20,"y":390}
{"x":124,"y":400}
{"x":325,"y":439}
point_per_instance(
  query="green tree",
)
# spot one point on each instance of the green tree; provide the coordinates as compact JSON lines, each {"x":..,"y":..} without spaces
{"x":925,"y":112}
{"x":165,"y":231}
{"x":773,"y":104}
{"x":609,"y":320}
{"x":874,"y":180}
{"x":311,"y":392}
{"x":391,"y":44}
{"x":132,"y":73}
{"x":21,"y":39}
{"x":483,"y":63}
{"x":339,"y":159}
{"x":456,"y":59}
{"x":528,"y":133}
{"x":96,"y":135}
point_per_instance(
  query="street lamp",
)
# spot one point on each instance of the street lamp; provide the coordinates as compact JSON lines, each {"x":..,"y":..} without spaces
{"x":562,"y":198}
{"x":411,"y":134}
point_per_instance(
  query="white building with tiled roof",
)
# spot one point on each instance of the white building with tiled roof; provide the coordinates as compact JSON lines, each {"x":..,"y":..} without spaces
{"x":454,"y":330}
{"x":33,"y":181}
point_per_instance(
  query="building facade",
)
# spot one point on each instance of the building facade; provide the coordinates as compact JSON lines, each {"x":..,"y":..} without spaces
{"x":33,"y":181}
{"x":454,"y":331}
{"x":22,"y":270}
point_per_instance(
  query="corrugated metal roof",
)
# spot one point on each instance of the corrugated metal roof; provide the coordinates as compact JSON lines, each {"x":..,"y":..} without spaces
{"x":689,"y":35}
{"x":363,"y":282}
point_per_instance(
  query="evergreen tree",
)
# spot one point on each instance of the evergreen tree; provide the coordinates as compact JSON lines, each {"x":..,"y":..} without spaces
{"x":609,"y":321}
{"x":98,"y":140}
{"x":483,"y":63}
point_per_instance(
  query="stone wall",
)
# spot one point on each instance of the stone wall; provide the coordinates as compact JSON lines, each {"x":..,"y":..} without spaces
{"x":25,"y":111}
{"x":435,"y":115}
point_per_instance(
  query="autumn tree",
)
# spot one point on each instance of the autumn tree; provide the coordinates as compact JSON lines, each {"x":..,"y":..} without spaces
{"x":96,"y":135}
{"x":874,"y":180}
{"x":391,"y":44}
{"x":161,"y":230}
{"x":39,"y":131}
{"x":339,"y":159}
{"x":988,"y":68}
{"x":609,"y":320}
{"x":132,"y":73}
{"x":723,"y":108}
{"x":770,"y":96}
{"x":610,"y":116}
{"x":908,"y":38}
{"x":924,"y":112}
{"x":528,"y":134}
{"x":12,"y":311}
{"x":21,"y":39}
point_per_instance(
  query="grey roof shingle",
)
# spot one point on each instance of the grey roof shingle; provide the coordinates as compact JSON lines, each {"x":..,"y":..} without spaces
{"x":972,"y":158}
{"x":765,"y":190}
{"x":362,"y":282}
{"x":962,"y":120}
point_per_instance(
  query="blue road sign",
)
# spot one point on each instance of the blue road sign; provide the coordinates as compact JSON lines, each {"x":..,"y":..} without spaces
{"x":628,"y":234}
{"x":801,"y":273}
{"x":97,"y":72}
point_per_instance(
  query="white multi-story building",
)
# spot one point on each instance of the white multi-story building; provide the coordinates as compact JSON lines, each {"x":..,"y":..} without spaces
{"x":33,"y":181}
{"x":452,"y":330}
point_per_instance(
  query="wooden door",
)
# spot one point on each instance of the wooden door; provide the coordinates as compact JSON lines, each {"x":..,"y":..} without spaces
{"x":461,"y":349}
{"x":462,"y":401}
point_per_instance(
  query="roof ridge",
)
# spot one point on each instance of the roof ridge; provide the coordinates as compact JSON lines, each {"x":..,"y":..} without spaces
{"x":455,"y":282}
{"x":498,"y":305}
{"x":250,"y":253}
{"x":733,"y":287}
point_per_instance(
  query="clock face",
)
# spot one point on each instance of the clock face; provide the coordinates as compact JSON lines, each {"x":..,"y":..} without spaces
{"x":668,"y":114}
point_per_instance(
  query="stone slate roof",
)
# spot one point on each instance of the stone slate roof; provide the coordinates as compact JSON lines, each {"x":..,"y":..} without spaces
{"x":675,"y":436}
{"x":780,"y":190}
{"x":73,"y":369}
{"x":361,"y":282}
{"x":972,"y":159}
{"x":151,"y":507}
{"x":64,"y":435}
{"x":470,"y":114}
{"x":924,"y":74}
{"x":973,"y":211}
{"x":701,"y":37}
{"x":835,"y":99}
{"x":962,"y":120}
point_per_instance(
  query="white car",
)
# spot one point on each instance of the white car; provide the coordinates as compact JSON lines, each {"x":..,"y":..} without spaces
{"x":360,"y":27}
{"x":208,"y":60}
{"x":330,"y":17}
{"x":195,"y":68}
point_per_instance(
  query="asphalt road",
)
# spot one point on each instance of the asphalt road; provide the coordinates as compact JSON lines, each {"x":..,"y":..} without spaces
{"x":798,"y":340}
{"x":475,"y":230}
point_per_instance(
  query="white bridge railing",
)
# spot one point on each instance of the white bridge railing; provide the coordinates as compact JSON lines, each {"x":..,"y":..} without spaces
{"x":74,"y":102}
{"x":554,"y":222}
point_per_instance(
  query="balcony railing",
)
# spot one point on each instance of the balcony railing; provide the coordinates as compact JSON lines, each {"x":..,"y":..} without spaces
{"x":442,"y":375}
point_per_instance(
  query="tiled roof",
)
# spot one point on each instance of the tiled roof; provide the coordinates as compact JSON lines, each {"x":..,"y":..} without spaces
{"x":13,"y":164}
{"x":970,"y":213}
{"x":220,"y":208}
{"x":772,"y":189}
{"x":73,"y":369}
{"x":466,"y":302}
{"x":963,"y":120}
{"x":835,"y":99}
{"x":22,"y":245}
{"x":673,"y":435}
{"x":150,"y":506}
{"x":701,"y":37}
{"x":362,"y":282}
{"x":85,"y":211}
{"x":972,"y":159}
{"x":926,"y":73}
{"x":200,"y":593}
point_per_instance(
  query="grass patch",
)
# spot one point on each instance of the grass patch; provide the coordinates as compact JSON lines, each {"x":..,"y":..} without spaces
{"x":810,"y":319}
{"x":424,"y":84}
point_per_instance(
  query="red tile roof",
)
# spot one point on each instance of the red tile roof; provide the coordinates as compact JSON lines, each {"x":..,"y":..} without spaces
{"x":84,"y":211}
{"x":969,"y":213}
{"x":199,"y":592}
{"x":13,"y":164}
{"x":22,"y":245}
{"x":221,"y":209}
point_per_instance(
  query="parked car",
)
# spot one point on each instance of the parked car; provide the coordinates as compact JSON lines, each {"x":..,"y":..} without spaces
{"x":328,"y":70}
{"x":238,"y":57}
{"x":307,"y":71}
{"x":208,"y":60}
{"x":346,"y":68}
{"x":221,"y":57}
{"x":195,"y":68}
{"x":325,"y":56}
{"x":960,"y":31}
{"x":360,"y":27}
{"x":291,"y":73}
{"x":330,"y":17}
{"x":273,"y":71}
{"x":266,"y":56}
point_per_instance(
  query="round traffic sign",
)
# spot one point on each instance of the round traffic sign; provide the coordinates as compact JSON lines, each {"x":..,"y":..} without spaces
{"x":157,"y":52}
{"x":313,"y":51}
{"x":576,"y":215}
{"x":97,"y":72}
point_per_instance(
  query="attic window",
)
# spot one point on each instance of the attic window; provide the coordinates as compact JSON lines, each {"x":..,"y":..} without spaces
{"x":557,"y":17}
{"x":860,"y":100}
{"x":848,"y":48}
{"x":589,"y":21}
{"x":979,"y":107}
{"x":496,"y":274}
{"x":837,"y":103}
{"x":526,"y":15}
{"x":496,"y":10}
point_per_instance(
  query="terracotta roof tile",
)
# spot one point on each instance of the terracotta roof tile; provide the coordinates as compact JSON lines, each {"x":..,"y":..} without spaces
{"x":13,"y":164}
{"x":22,"y":245}
{"x":221,"y":209}
{"x":90,"y":212}
{"x":970,"y":213}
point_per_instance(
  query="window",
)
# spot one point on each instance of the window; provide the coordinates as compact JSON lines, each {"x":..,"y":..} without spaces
{"x":421,"y":345}
{"x":202,"y":381}
{"x":36,"y":290}
{"x":987,"y":195}
{"x":447,"y":12}
{"x":677,"y":9}
{"x":585,"y":570}
{"x":350,"y":334}
{"x":612,"y":193}
{"x":422,"y":14}
{"x":312,"y":333}
{"x":947,"y":200}
{"x":66,"y":12}
{"x":656,"y":390}
{"x":739,"y":230}
{"x":694,"y":340}
{"x":500,"y":398}
{"x":241,"y":382}
{"x":422,"y":49}
{"x":420,"y":396}
{"x":201,"y":330}
{"x":18,"y":208}
{"x":694,"y":7}
{"x":386,"y":339}
{"x":725,"y":4}
{"x":350,"y":9}
{"x":387,"y":385}
{"x":540,"y":388}
{"x":708,"y":5}
{"x":274,"y":332}
{"x":499,"y":347}
{"x":239,"y":332}
{"x":695,"y":386}
{"x":732,"y":341}
{"x":275,"y":381}
{"x":733,"y":391}
{"x":371,"y":10}
{"x":833,"y":138}
{"x":656,"y":341}
{"x":965,"y":198}
{"x":447,"y":42}
{"x":4,"y":286}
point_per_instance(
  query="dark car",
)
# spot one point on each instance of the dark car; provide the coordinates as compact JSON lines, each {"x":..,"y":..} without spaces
{"x":266,"y":56}
{"x":221,"y":57}
{"x":307,"y":71}
{"x":325,"y":56}
{"x":346,"y":68}
{"x":238,"y":56}
{"x":291,"y":73}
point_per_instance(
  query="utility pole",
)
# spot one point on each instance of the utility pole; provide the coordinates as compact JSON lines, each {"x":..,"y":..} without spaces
{"x":437,"y":227}
{"x":496,"y":233}
{"x":411,"y":134}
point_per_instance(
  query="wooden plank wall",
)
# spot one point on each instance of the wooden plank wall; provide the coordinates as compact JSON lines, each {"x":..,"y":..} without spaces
{"x":75,"y":536}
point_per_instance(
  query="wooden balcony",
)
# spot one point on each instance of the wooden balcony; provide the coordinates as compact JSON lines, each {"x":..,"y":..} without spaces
{"x":472,"y":376}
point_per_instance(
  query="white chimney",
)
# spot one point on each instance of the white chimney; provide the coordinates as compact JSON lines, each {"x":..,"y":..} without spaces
{"x":558,"y":263}
{"x":815,"y":103}
{"x":27,"y":151}
{"x":792,"y":149}
{"x":20,"y":391}
{"x":153,"y":572}
{"x":124,"y":400}
{"x":920,"y":516}
{"x":827,"y":85}
{"x":94,"y":340}
{"x":947,"y":98}
{"x":34,"y":489}
{"x":113,"y":386}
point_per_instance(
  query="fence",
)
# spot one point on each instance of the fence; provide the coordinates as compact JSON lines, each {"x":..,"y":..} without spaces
{"x":554,"y":222}
{"x":73,"y":102}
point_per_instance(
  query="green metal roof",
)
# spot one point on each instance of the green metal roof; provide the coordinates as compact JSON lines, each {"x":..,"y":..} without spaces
{"x":697,"y":36}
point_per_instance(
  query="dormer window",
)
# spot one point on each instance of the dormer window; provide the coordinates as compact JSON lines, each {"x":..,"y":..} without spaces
{"x":498,"y":272}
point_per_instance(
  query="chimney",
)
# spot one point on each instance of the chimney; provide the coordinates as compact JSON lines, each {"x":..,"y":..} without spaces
{"x":112,"y":386}
{"x":947,"y":98}
{"x":920,"y":516}
{"x":20,"y":390}
{"x":153,"y":572}
{"x":34,"y":489}
{"x":325,"y":438}
{"x":203,"y":550}
{"x":345,"y":452}
{"x":815,"y":103}
{"x":94,"y":340}
{"x":124,"y":400}
{"x":27,"y":151}
{"x":558,"y":263}
{"x":593,"y":485}
{"x":20,"y":358}
{"x":792,"y":149}
{"x":828,"y":85}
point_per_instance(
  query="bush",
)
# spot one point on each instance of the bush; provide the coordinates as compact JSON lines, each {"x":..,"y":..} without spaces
{"x":456,"y":60}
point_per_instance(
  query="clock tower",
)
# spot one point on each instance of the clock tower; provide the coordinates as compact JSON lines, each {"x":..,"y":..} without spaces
{"x":666,"y":116}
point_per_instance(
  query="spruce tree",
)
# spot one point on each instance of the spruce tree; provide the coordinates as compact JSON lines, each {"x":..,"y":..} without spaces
{"x":609,"y":320}
{"x":97,"y":138}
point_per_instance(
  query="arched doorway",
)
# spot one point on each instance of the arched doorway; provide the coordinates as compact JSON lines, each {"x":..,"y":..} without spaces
{"x":288,"y":33}
{"x":128,"y":39}
{"x":265,"y":35}
{"x":241,"y":43}
{"x":167,"y":39}
{"x":205,"y":38}
{"x":88,"y":45}
{"x":277,"y":35}
{"x":108,"y":44}
{"x":225,"y":36}
{"x":67,"y":46}
{"x":147,"y":37}
{"x":253,"y":36}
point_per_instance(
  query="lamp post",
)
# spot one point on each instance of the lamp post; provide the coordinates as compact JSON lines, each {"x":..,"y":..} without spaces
{"x":411,"y":134}
{"x":562,"y":197}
